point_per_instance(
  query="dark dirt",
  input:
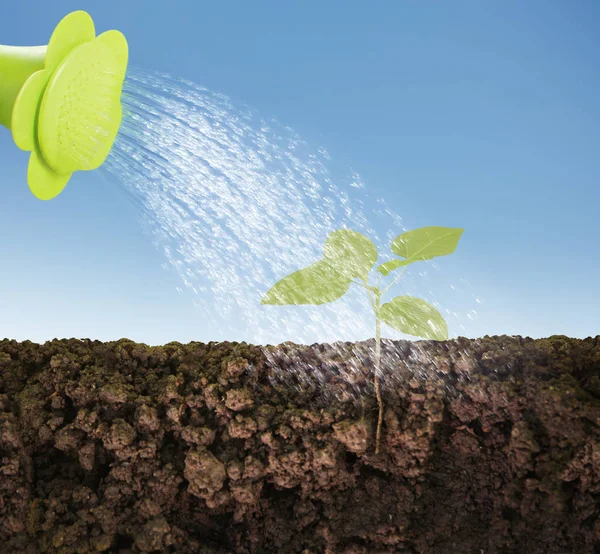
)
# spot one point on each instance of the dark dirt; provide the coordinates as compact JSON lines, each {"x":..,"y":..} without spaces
{"x":488,"y":446}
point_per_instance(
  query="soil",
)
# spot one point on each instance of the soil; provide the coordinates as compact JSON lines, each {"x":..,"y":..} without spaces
{"x":488,"y":446}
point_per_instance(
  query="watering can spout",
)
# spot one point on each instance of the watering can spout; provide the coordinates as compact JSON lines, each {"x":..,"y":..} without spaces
{"x":62,"y":102}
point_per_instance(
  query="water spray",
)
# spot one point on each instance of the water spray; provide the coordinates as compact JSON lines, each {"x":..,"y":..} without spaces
{"x":62,"y":102}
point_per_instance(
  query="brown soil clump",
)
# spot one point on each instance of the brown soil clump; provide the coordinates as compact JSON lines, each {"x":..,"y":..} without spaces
{"x":488,"y":446}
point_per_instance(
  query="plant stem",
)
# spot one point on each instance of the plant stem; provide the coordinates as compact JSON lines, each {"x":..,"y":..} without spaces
{"x":360,"y":284}
{"x":377,"y":306}
{"x":369,"y":292}
{"x":395,"y":280}
{"x":377,"y":368}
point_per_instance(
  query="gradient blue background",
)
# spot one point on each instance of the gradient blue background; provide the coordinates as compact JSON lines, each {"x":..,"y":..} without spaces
{"x":483,"y":115}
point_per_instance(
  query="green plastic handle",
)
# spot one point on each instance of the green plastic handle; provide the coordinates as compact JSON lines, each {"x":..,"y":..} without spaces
{"x":16,"y":65}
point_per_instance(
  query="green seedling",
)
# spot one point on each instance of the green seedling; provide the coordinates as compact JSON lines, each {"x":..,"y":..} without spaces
{"x":349,"y":257}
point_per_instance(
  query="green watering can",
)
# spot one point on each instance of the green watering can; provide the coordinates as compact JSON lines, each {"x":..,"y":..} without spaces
{"x":62,"y":102}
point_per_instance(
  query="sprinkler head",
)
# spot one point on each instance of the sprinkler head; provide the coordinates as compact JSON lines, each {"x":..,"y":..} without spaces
{"x":62,"y":101}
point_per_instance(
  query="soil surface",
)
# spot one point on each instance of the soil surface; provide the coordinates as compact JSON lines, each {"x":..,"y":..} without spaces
{"x":488,"y":446}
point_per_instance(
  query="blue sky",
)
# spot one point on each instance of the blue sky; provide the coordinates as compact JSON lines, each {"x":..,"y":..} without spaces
{"x":482,"y":115}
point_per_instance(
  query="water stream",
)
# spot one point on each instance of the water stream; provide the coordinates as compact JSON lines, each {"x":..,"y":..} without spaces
{"x":236,"y":202}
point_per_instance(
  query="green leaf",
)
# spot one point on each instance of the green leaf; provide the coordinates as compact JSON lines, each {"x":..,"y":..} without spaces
{"x":318,"y":283}
{"x":388,"y":267}
{"x":426,"y":243}
{"x":414,"y":316}
{"x":350,"y":252}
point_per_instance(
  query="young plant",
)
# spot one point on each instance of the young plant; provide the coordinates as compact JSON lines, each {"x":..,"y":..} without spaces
{"x":349,"y":257}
